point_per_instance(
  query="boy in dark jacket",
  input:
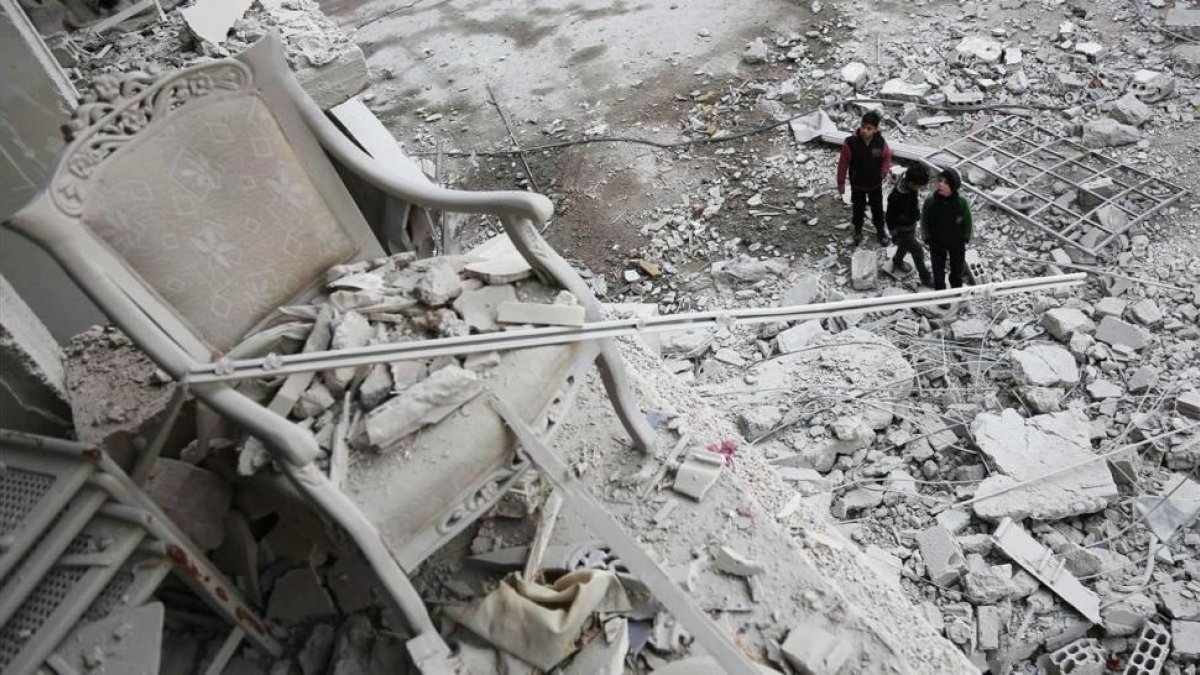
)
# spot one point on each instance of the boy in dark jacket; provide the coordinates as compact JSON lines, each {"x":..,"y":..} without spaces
{"x":903,"y":215}
{"x":868,"y":160}
{"x":946,"y":224}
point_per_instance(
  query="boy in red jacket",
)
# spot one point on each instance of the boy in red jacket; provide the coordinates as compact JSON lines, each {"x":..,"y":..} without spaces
{"x":868,"y":159}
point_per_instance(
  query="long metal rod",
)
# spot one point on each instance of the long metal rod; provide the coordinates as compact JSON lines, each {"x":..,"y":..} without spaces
{"x":243,"y":369}
{"x":709,"y":636}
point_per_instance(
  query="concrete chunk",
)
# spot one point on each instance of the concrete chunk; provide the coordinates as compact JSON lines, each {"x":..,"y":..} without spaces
{"x":541,"y":315}
{"x":944,"y":562}
{"x":1026,"y":449}
{"x":814,"y":647}
{"x":438,"y":285}
{"x":797,"y":337}
{"x":211,"y":19}
{"x":1061,"y":322}
{"x":195,"y":499}
{"x":299,"y":595}
{"x":1114,"y":331}
{"x":730,"y":561}
{"x":1045,"y":365}
{"x":698,"y":473}
{"x":863,"y":269}
{"x":1185,"y":636}
{"x":424,"y":403}
{"x":479,"y":307}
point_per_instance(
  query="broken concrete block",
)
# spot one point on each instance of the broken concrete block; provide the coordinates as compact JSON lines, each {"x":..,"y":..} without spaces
{"x":979,"y":47}
{"x":944,"y":562}
{"x":1042,"y":400}
{"x":990,"y":623}
{"x":698,"y":473}
{"x":858,"y":499}
{"x":1025,"y":449}
{"x":298,"y":596}
{"x":1181,"y":600}
{"x":757,"y":421}
{"x":195,"y":500}
{"x":33,"y":393}
{"x":1146,"y":312}
{"x":1114,"y":331}
{"x":813,"y":647}
{"x":376,"y":387}
{"x":730,"y":561}
{"x":885,"y":564}
{"x":1045,"y":365}
{"x":314,"y":401}
{"x":854,"y":73}
{"x":806,"y":291}
{"x":1103,"y":389}
{"x":687,"y":344}
{"x":1188,"y":404}
{"x":211,"y":20}
{"x":1046,"y":568}
{"x":439,"y":284}
{"x":1061,"y":322}
{"x":1107,"y":132}
{"x":1129,"y":109}
{"x":756,"y":52}
{"x":1110,"y":307}
{"x":1183,"y":20}
{"x":352,"y":331}
{"x":798,"y":337}
{"x":968,"y":329}
{"x":903,"y":90}
{"x":541,"y":315}
{"x":1185,"y":638}
{"x":1150,"y":653}
{"x":503,"y":268}
{"x":863,"y":270}
{"x":479,"y":307}
{"x":424,"y":403}
{"x":954,"y":520}
{"x":1082,"y":657}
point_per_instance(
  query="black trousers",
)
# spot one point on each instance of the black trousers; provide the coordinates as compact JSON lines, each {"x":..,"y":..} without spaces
{"x":907,"y":244}
{"x":858,"y":208}
{"x":958,"y":264}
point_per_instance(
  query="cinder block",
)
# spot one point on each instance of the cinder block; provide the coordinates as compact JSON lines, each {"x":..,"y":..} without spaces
{"x":1150,"y":652}
{"x":1081,"y":657}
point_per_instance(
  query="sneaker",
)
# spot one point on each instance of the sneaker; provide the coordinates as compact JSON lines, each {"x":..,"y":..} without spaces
{"x":884,"y":240}
{"x":902,"y":267}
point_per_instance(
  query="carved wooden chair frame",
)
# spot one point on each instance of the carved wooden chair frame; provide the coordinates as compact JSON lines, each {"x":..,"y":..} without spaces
{"x":54,"y":220}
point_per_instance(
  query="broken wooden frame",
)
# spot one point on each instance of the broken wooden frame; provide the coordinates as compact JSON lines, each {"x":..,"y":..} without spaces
{"x":1021,"y":143}
{"x":67,"y":490}
{"x":275,"y":365}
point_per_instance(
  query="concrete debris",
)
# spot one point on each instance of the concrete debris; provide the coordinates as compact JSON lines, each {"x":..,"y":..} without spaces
{"x":697,"y":474}
{"x":1130,"y":110}
{"x":1185,"y":639}
{"x":1028,"y":553}
{"x":299,"y":596}
{"x":33,"y":382}
{"x":798,"y":337}
{"x":1082,"y":657}
{"x":427,"y":402}
{"x":479,"y":307}
{"x":1116,"y":332}
{"x":731,"y":562}
{"x":1062,"y":322}
{"x":540,"y":315}
{"x":756,"y":52}
{"x":944,"y":562}
{"x":1107,"y":133}
{"x":1029,"y":449}
{"x":863,"y":270}
{"x":1150,"y":652}
{"x":195,"y":499}
{"x":816,"y":647}
{"x":1045,"y":365}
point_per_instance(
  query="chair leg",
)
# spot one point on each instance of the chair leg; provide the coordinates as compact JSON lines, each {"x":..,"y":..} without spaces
{"x":612,"y":372}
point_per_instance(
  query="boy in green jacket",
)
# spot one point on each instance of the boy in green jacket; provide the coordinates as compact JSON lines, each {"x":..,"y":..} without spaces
{"x":946,"y":224}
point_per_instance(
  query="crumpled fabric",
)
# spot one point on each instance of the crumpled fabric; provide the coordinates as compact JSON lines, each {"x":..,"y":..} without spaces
{"x":541,"y":624}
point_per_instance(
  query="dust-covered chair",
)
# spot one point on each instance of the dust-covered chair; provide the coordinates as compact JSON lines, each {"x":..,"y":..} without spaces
{"x":191,"y":207}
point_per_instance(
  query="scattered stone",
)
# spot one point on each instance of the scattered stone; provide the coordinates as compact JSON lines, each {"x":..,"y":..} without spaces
{"x":424,"y":403}
{"x":439,"y":284}
{"x":1142,"y":379}
{"x":298,"y":596}
{"x":798,"y":337}
{"x":902,"y":90}
{"x":540,"y":314}
{"x":990,"y":623}
{"x":944,"y":562}
{"x":1107,"y":133}
{"x":1188,"y":404}
{"x":1146,"y":312}
{"x":1181,"y":600}
{"x":196,"y":500}
{"x":756,"y":52}
{"x":479,"y":307}
{"x":730,"y":561}
{"x":982,"y":48}
{"x":1111,"y":307}
{"x":1102,"y":389}
{"x":854,"y":73}
{"x":1130,"y":110}
{"x":1062,"y":322}
{"x":1027,"y":449}
{"x":687,"y":344}
{"x":968,"y":329}
{"x":813,"y":647}
{"x":1185,"y":639}
{"x":1045,"y":365}
{"x":698,"y":473}
{"x":1114,"y":331}
{"x":863,"y":270}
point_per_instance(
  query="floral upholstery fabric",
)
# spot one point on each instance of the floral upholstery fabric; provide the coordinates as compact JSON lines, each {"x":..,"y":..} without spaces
{"x":213,"y":209}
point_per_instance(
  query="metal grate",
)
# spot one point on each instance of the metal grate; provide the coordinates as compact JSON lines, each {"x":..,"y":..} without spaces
{"x":37,"y":608}
{"x":112,"y":596}
{"x":1067,"y":190}
{"x":20,"y":491}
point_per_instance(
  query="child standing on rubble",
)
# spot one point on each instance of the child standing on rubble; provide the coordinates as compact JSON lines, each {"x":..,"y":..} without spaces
{"x":868,"y":160}
{"x":947,"y":226}
{"x":903,"y":214}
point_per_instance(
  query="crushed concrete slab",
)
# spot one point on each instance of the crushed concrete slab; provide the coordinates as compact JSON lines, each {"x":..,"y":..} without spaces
{"x":1045,"y":365}
{"x":1061,"y":322}
{"x":798,"y":337}
{"x":196,"y":500}
{"x":540,"y":314}
{"x":1114,"y":331}
{"x":1025,"y":449}
{"x":944,"y":562}
{"x":424,"y":403}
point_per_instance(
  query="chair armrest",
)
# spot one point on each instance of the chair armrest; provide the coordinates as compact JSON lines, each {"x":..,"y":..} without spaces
{"x":533,"y":207}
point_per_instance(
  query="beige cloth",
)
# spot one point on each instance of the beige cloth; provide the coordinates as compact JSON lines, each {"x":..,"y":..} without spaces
{"x":539,"y":624}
